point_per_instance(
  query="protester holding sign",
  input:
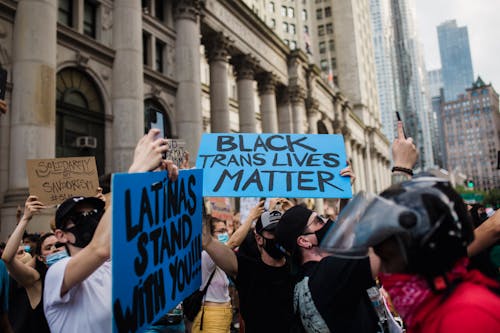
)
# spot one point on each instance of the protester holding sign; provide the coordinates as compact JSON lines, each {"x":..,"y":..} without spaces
{"x":77,"y":296}
{"x":216,"y":313}
{"x":26,"y":313}
{"x":264,"y":284}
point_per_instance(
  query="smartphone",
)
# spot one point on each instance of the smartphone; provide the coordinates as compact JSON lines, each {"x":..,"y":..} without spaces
{"x":3,"y":82}
{"x":399,"y":119}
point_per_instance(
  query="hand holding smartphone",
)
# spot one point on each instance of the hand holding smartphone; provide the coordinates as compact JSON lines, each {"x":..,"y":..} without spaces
{"x":402,"y":125}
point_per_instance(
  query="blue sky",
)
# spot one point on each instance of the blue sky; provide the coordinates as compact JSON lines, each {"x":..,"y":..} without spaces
{"x":483,"y":22}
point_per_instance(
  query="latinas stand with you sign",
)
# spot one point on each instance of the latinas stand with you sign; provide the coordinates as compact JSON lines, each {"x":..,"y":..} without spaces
{"x":57,"y":179}
{"x":273,"y":165}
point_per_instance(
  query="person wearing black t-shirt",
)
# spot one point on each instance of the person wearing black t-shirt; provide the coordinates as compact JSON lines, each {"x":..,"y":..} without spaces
{"x":264,"y":283}
{"x":331,"y":292}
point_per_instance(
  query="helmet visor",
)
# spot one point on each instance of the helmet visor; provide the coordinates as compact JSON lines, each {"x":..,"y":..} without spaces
{"x":366,"y":221}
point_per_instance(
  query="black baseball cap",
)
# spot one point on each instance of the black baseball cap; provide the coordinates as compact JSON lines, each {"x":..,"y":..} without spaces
{"x":291,"y":226}
{"x":64,"y":210}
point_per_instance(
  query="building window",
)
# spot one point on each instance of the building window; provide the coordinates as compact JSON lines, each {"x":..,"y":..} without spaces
{"x":324,"y":65}
{"x":321,"y":30}
{"x":146,"y":6}
{"x":272,"y":24}
{"x":160,"y":51}
{"x":306,"y":29}
{"x":287,"y":42}
{"x":329,"y":28}
{"x":322,"y":47}
{"x":333,"y":62}
{"x":145,"y":48}
{"x":285,"y":27}
{"x":65,"y":12}
{"x":79,"y":113}
{"x":319,"y":13}
{"x":89,"y":19}
{"x":292,"y":29}
{"x":271,"y":7}
{"x":160,"y":10}
{"x":291,"y":12}
{"x":331,"y":45}
{"x":328,"y":11}
{"x":304,"y":14}
{"x":283,"y":10}
{"x":293,"y":44}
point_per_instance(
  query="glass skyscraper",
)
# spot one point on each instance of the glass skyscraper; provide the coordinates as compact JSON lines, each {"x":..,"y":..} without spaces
{"x":456,"y":63}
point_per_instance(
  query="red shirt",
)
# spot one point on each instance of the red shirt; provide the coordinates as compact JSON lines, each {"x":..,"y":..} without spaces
{"x":472,"y":307}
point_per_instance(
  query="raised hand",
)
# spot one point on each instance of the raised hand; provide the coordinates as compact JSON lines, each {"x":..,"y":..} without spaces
{"x":404,"y":152}
{"x":32,"y":206}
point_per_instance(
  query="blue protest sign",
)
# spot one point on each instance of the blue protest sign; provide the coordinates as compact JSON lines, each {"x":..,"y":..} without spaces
{"x":273,"y":165}
{"x":156,"y":245}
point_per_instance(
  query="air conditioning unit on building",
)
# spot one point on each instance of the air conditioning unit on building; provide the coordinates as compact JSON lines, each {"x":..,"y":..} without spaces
{"x":86,"y":142}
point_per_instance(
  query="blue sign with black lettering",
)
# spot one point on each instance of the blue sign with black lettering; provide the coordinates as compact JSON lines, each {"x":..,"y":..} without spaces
{"x":273,"y":165}
{"x":156,"y":247}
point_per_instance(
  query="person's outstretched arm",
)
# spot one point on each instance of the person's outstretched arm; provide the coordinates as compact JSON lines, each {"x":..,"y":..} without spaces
{"x":221,"y":254}
{"x":147,"y":156}
{"x":24,"y":274}
{"x":239,"y":235}
{"x":485,"y":235}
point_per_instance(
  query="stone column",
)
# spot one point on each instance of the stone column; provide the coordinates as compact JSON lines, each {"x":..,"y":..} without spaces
{"x":32,"y":110}
{"x":127,"y":83}
{"x":245,"y":67}
{"x":189,"y":119}
{"x":297,"y":96}
{"x":313,"y":115}
{"x":217,"y":50}
{"x":370,"y":171}
{"x":268,"y":112}
{"x":33,"y":114}
{"x":285,"y":124}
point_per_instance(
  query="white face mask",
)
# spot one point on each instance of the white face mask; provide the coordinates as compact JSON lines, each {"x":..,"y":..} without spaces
{"x":223,"y":238}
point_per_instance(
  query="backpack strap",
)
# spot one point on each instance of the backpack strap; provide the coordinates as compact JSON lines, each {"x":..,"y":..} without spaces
{"x":304,"y":306}
{"x":204,"y":291}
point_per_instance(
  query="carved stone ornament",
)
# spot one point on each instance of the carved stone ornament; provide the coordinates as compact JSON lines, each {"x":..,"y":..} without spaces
{"x":267,"y":83}
{"x":187,"y":9}
{"x":244,"y":66}
{"x":217,"y":46}
{"x":82,"y":59}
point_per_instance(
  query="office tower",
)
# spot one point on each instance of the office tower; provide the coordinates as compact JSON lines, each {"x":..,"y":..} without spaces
{"x":456,"y":60}
{"x":471,"y":126}
{"x":413,"y":99}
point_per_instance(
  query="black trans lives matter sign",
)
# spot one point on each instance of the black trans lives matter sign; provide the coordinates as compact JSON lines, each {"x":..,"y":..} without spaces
{"x":273,"y":165}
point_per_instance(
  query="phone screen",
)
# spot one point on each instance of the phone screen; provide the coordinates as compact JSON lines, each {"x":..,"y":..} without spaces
{"x":3,"y":82}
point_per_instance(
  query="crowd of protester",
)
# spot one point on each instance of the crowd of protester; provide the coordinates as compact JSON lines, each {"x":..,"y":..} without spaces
{"x":413,"y":258}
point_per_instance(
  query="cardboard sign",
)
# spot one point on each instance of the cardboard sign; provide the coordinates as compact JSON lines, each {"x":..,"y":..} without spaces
{"x":221,"y":208}
{"x":273,"y":165}
{"x":246,"y":205}
{"x":57,"y":179}
{"x":156,"y":248}
{"x":175,"y":151}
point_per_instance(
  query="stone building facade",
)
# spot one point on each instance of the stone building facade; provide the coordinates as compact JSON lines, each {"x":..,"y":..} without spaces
{"x":112,"y":69}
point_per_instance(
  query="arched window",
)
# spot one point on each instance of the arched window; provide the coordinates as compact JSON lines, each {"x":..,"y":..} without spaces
{"x":156,"y":117}
{"x":79,"y":117}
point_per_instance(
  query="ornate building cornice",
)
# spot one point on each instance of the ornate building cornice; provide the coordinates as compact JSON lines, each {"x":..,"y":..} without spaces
{"x":187,"y":9}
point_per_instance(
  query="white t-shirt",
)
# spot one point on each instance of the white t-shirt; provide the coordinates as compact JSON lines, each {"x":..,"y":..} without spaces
{"x":85,"y":307}
{"x":218,"y":289}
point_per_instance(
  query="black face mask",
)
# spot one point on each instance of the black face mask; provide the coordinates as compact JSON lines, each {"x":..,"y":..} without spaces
{"x":271,"y":248}
{"x":85,"y":226}
{"x":321,"y":233}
